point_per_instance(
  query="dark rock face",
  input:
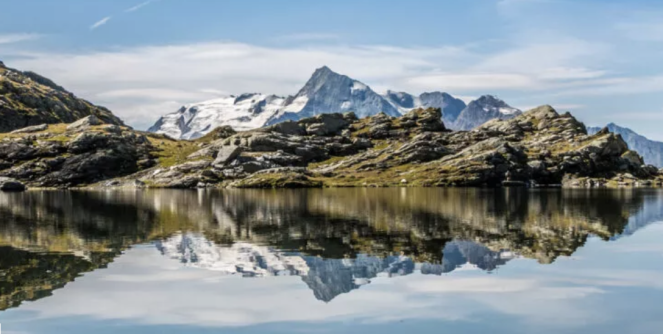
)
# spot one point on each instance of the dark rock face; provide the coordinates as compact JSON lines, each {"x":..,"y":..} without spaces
{"x":28,"y":99}
{"x":651,"y":151}
{"x":8,"y":184}
{"x":74,"y":158}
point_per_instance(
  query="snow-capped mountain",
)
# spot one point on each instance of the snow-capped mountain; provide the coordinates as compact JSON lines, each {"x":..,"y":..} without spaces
{"x":651,"y":151}
{"x":328,"y":91}
{"x":404,"y":102}
{"x":241,"y":258}
{"x":327,"y":278}
{"x":325,"y":92}
{"x":244,"y":112}
{"x":482,"y":110}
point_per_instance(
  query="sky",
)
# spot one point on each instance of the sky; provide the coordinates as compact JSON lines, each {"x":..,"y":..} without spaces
{"x":599,"y":59}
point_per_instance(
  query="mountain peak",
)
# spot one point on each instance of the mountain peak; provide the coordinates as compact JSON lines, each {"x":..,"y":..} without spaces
{"x":324,"y":69}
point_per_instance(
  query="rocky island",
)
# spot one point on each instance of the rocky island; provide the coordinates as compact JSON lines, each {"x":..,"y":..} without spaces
{"x":539,"y":147}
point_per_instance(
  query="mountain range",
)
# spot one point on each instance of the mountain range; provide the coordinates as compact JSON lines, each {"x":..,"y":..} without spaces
{"x":651,"y":151}
{"x":327,"y":277}
{"x":325,"y":92}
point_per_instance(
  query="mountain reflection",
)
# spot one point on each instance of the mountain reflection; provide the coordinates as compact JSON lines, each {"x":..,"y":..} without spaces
{"x":335,"y":239}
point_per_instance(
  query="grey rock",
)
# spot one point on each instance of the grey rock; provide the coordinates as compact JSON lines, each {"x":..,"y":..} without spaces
{"x":31,"y":129}
{"x":84,"y":123}
{"x":226,"y":154}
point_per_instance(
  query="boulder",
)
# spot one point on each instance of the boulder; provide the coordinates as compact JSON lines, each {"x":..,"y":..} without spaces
{"x":84,"y":123}
{"x":226,"y":154}
{"x":31,"y":129}
{"x":325,"y":124}
{"x":9,"y":184}
{"x":287,"y":128}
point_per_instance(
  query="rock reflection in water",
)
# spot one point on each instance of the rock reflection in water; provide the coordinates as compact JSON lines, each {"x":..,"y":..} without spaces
{"x":335,"y":239}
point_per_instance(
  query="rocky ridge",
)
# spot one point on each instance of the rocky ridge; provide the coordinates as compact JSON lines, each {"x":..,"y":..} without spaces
{"x":538,"y":148}
{"x":28,"y":99}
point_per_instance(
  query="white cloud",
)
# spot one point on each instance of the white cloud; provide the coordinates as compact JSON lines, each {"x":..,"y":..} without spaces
{"x":100,"y":23}
{"x":15,"y":38}
{"x":139,"y":6}
{"x":146,"y":288}
{"x":138,"y":83}
{"x":485,"y":81}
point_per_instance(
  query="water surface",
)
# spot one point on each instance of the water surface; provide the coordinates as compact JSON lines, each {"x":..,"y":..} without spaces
{"x":332,"y":261}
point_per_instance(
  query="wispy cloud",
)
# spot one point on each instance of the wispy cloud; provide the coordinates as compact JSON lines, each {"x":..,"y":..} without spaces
{"x":134,"y":81}
{"x":15,"y":38}
{"x":100,"y":23}
{"x":139,"y":6}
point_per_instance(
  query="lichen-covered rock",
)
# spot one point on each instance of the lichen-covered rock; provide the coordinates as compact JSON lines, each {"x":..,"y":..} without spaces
{"x":84,"y":123}
{"x":31,"y":129}
{"x":28,"y":99}
{"x":67,"y":159}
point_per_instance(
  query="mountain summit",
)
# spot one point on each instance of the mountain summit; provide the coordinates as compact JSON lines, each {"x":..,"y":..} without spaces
{"x":327,"y":91}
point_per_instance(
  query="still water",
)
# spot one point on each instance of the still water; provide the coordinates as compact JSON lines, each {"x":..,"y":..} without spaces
{"x":332,"y":261}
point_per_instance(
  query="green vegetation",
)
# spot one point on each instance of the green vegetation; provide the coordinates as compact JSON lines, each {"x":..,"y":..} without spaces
{"x":171,"y":152}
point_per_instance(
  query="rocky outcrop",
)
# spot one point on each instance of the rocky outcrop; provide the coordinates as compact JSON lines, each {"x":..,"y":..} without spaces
{"x":539,"y":148}
{"x":651,"y":151}
{"x":31,"y":129}
{"x":78,"y":155}
{"x":28,"y":99}
{"x":8,"y":184}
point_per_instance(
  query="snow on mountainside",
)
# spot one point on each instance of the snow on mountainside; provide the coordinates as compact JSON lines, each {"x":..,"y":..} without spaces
{"x":325,"y":92}
{"x":327,"y":278}
{"x":328,"y":91}
{"x":651,"y":151}
{"x":404,"y":102}
{"x":245,"y":259}
{"x":244,"y":112}
{"x":483,"y":110}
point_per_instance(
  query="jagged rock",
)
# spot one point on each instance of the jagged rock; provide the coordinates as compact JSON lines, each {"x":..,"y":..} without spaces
{"x":31,"y":129}
{"x":633,"y":158}
{"x":325,"y":124}
{"x":226,"y":154}
{"x":287,"y":128}
{"x":8,"y":184}
{"x":84,"y":123}
{"x":191,"y":166}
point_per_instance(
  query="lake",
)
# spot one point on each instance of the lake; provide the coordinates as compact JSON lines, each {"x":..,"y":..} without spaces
{"x":425,"y":260}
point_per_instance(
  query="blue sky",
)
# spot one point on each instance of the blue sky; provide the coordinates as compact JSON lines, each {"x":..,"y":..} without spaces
{"x":600,"y":59}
